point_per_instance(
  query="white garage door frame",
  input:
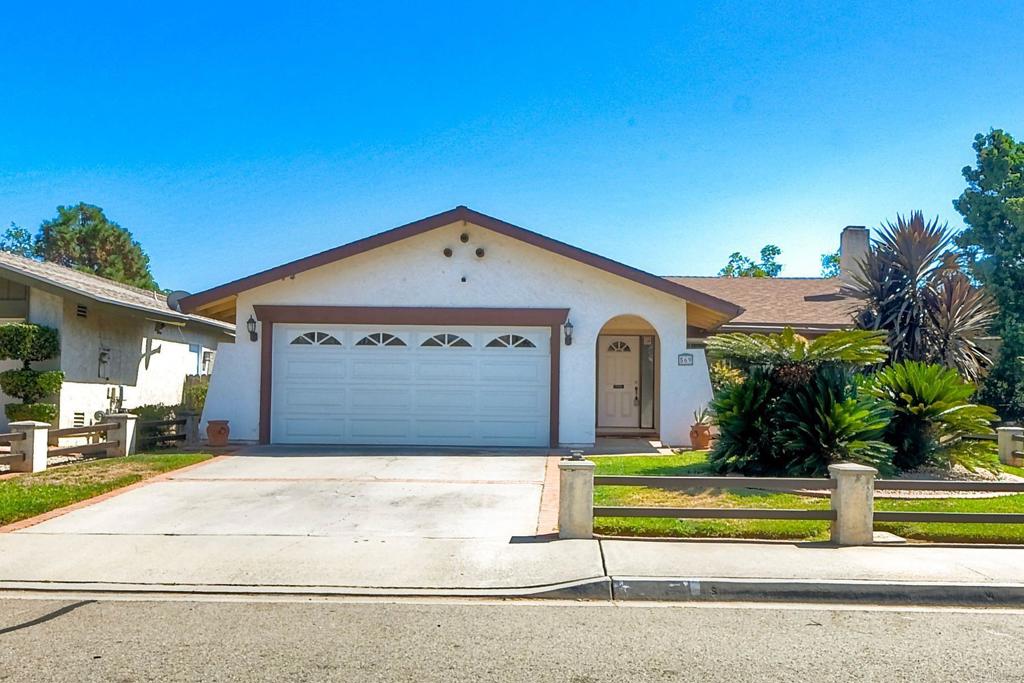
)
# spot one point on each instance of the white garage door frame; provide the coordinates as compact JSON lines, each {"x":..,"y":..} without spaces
{"x":271,"y":315}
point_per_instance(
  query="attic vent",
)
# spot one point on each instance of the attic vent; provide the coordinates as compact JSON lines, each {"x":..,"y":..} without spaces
{"x":78,"y":420}
{"x":82,"y":311}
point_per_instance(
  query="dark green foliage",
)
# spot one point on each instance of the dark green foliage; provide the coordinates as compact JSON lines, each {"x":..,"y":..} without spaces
{"x":824,"y":421}
{"x":82,"y":237}
{"x":912,"y":288}
{"x":30,"y":385}
{"x":742,"y":266}
{"x":743,"y":413}
{"x":27,"y":342}
{"x":932,"y":411}
{"x":993,"y":244}
{"x":40,"y":412}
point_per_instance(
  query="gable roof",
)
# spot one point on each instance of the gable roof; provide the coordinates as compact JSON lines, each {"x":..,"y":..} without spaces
{"x":62,"y":280}
{"x":772,"y":303}
{"x":723,"y":308}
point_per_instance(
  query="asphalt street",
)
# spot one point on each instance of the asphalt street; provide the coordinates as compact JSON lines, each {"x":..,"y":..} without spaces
{"x":81,"y":639}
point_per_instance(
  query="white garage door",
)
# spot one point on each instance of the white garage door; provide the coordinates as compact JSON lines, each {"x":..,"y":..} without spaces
{"x":443,"y":386}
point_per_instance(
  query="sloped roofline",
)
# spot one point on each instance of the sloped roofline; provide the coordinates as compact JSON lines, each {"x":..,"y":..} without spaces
{"x":460,"y":213}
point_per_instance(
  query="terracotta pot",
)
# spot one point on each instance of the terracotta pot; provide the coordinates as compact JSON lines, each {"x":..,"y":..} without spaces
{"x":217,"y":432}
{"x":700,"y":437}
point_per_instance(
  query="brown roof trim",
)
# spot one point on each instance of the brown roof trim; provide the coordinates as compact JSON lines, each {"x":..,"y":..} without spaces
{"x":461,"y":213}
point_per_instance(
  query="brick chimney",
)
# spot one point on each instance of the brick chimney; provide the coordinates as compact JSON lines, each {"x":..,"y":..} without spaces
{"x":853,"y":247}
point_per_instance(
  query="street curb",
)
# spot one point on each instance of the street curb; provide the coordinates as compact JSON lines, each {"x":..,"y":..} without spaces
{"x":598,"y":588}
{"x":674,"y":589}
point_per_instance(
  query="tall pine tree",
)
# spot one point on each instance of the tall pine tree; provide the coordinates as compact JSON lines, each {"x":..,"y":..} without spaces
{"x":993,"y":208}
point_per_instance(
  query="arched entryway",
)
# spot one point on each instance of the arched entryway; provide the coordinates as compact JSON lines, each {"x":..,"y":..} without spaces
{"x":627,"y":379}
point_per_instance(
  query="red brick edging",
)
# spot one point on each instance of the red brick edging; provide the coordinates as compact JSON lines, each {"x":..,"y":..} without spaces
{"x":547,"y":519}
{"x":50,"y":514}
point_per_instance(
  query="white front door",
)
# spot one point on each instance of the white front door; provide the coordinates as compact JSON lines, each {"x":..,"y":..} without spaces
{"x":424,"y":385}
{"x":618,"y":381}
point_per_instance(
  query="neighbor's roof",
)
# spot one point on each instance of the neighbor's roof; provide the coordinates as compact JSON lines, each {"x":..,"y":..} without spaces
{"x":773,"y":303}
{"x":61,"y":280}
{"x":724,"y":310}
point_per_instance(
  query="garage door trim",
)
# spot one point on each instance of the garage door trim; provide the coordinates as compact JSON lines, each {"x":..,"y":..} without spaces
{"x":552,"y":318}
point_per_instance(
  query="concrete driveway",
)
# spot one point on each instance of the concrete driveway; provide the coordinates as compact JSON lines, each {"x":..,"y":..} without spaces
{"x":301,"y":517}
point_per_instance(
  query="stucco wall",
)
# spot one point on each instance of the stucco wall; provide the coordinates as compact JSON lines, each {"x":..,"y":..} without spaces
{"x":512,"y":274}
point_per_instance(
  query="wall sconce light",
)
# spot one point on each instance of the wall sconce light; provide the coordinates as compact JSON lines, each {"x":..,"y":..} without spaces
{"x":568,"y":333}
{"x":251,"y":326}
{"x":159,"y":328}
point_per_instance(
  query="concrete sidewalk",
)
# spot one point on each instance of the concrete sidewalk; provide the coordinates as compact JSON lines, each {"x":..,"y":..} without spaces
{"x":751,"y":570}
{"x":526,"y":567}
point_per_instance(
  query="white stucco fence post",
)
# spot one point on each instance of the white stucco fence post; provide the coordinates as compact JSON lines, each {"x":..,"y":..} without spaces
{"x":32,"y":448}
{"x":191,"y":428}
{"x":854,"y":503}
{"x":123,"y":435}
{"x":1008,"y":444}
{"x":576,"y":499}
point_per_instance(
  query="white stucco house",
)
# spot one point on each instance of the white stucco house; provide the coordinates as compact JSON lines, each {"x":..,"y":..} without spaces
{"x":460,"y":330}
{"x":120,"y":346}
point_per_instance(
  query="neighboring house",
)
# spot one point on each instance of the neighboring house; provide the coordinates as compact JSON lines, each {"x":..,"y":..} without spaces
{"x":120,"y":346}
{"x":460,"y":329}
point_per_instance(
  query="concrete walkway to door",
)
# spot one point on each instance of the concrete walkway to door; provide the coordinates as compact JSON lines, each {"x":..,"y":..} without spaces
{"x":298,"y":519}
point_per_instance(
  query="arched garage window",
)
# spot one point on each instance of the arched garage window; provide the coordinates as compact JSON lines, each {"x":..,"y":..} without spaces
{"x":510,"y":341}
{"x":316,"y":339}
{"x":446,"y":341}
{"x":380,"y":339}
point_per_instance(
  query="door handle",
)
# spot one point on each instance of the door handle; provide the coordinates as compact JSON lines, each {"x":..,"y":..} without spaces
{"x":636,"y":395}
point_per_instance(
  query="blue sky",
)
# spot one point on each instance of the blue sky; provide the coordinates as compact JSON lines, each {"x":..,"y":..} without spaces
{"x":666,"y":135}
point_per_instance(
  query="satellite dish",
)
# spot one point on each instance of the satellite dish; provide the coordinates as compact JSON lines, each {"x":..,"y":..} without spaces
{"x":174,"y":299}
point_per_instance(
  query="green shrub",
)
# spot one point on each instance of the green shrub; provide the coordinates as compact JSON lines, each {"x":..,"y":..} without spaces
{"x":745,"y":440}
{"x":931,"y":413}
{"x":153,"y":411}
{"x":825,"y":421}
{"x":40,"y":412}
{"x":27,"y":342}
{"x":724,"y":375}
{"x":30,"y":385}
{"x":193,"y":396}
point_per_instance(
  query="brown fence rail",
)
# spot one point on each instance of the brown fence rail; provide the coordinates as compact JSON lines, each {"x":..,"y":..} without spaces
{"x":688,"y":483}
{"x":85,"y":449}
{"x":683,"y":483}
{"x":8,"y":437}
{"x":159,"y":433}
{"x":962,"y":486}
{"x":86,"y":430}
{"x":713,"y":513}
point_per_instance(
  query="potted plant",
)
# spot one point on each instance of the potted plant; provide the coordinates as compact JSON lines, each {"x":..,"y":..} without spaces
{"x":700,"y":432}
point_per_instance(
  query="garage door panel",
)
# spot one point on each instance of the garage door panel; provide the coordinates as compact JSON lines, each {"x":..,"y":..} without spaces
{"x":396,"y":429}
{"x":446,"y":393}
{"x":370,"y":398}
{"x":450,"y":431}
{"x":310,"y":399}
{"x":513,"y":402}
{"x":430,"y":369}
{"x":519,"y":371}
{"x":444,"y":400}
{"x":318,"y":368}
{"x":312,"y":428}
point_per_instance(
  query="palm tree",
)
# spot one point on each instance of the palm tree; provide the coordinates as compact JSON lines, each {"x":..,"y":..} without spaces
{"x":913,"y":289}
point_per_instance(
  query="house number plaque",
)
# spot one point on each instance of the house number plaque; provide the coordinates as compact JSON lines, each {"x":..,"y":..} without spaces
{"x":686,"y":359}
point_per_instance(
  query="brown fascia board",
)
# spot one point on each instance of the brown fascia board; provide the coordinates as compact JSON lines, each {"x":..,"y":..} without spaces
{"x":461,"y":213}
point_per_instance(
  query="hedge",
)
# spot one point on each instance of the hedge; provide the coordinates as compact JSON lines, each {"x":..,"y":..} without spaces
{"x":30,"y":385}
{"x":27,"y":342}
{"x":40,"y":412}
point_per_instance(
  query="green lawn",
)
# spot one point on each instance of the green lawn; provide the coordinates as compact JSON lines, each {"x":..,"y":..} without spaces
{"x":33,"y":494}
{"x":695,"y":463}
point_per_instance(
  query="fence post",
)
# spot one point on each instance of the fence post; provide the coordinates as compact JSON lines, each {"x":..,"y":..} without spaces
{"x":123,"y":434}
{"x":1008,"y":445}
{"x":32,"y":448}
{"x":576,"y":499}
{"x":854,"y":503}
{"x":191,"y":428}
